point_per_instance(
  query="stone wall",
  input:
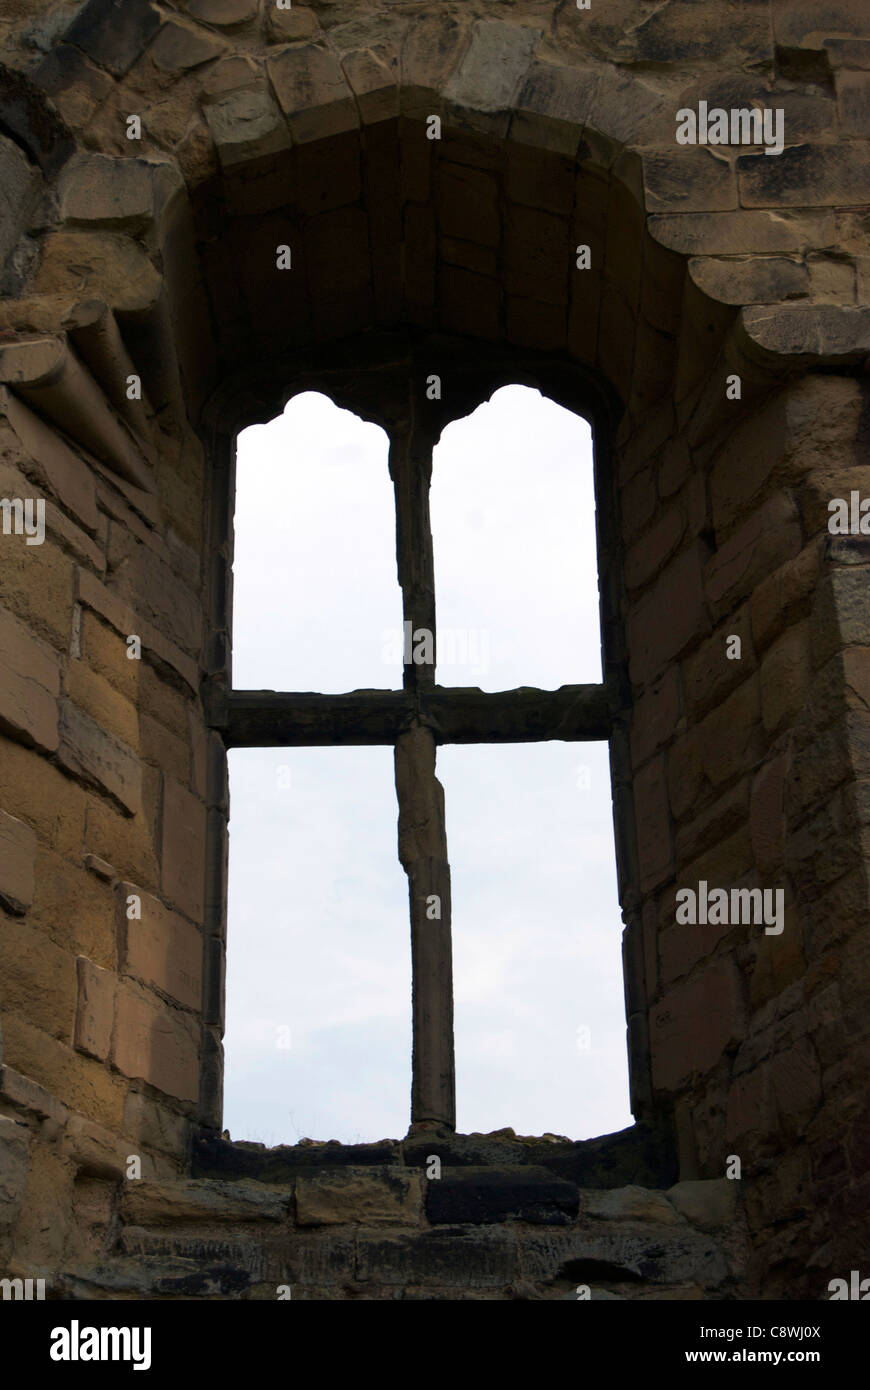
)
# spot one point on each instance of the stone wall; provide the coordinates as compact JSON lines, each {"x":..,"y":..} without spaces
{"x":153,"y":260}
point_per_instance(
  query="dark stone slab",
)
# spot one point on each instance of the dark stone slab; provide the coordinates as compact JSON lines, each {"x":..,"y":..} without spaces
{"x":27,"y":118}
{"x":638,"y":1155}
{"x":114,"y":32}
{"x":476,"y":1196}
{"x":220,"y":1158}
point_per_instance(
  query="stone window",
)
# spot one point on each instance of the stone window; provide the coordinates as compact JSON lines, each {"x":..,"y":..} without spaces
{"x":416,"y":720}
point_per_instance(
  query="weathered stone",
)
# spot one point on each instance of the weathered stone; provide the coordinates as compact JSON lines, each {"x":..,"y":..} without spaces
{"x":491,"y":70}
{"x":14,"y":1164}
{"x":709,"y":1204}
{"x":113,"y":39}
{"x":629,"y":1204}
{"x":469,"y":1260}
{"x":155,"y":1044}
{"x":95,"y":1009}
{"x":224,"y":13}
{"x":114,"y":192}
{"x":158,"y":948}
{"x":201,"y":1201}
{"x":769,"y":538}
{"x":154,"y":1125}
{"x":757,"y":280}
{"x":246,"y":124}
{"x":692,"y":1027}
{"x":98,"y":758}
{"x":373,"y":1196}
{"x":475,"y":1196}
{"x":285,"y":26}
{"x":313,"y":92}
{"x":29,"y":686}
{"x":17,"y":854}
{"x":183,"y":855}
{"x":804,"y":176}
{"x":670,"y":616}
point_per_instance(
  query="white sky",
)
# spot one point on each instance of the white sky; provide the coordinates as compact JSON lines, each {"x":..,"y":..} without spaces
{"x":318,"y":1039}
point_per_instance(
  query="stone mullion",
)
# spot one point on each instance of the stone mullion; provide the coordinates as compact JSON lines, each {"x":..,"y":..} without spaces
{"x":411,"y":471}
{"x":423,"y":855}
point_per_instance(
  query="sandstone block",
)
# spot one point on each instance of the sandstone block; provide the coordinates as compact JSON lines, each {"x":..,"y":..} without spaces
{"x":95,"y":1009}
{"x":784,"y":595}
{"x":767,"y":814}
{"x":29,"y":683}
{"x":376,"y":1196}
{"x":105,"y":705}
{"x":553,"y":108}
{"x":744,"y":232}
{"x":655,"y":716}
{"x":689,"y":180}
{"x":771,"y":536}
{"x":36,"y":585}
{"x":63,"y":472}
{"x":477,"y":1196}
{"x":98,"y":758}
{"x":650,"y":554}
{"x":785,"y":678}
{"x":491,"y":71}
{"x":98,"y":265}
{"x":156,"y":1044}
{"x":149,"y":584}
{"x":160,"y":949}
{"x":246,"y":125}
{"x":154,"y":1125}
{"x":95,"y":1150}
{"x":669,"y":617}
{"x":710,"y":1204}
{"x":730,"y":738}
{"x":286,"y":26}
{"x":17,"y":855}
{"x":313,"y":93}
{"x":710,"y":675}
{"x":183,"y":852}
{"x":691,"y":1027}
{"x":655,"y":845}
{"x":125,"y":843}
{"x":755,"y":280}
{"x":226,"y":14}
{"x":112,"y":39}
{"x":116,"y":192}
{"x":809,"y":175}
{"x":204,"y":1201}
{"x":177,"y":48}
{"x":38,"y":978}
{"x":373,"y":83}
{"x":85,"y":1084}
{"x":125,"y":620}
{"x":629,"y":1204}
{"x":14,"y":1167}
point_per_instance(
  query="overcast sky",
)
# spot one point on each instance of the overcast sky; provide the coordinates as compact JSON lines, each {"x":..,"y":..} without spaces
{"x":318,"y":1040}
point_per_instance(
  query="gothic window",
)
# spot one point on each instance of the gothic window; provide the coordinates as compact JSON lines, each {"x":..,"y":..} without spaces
{"x":415,"y":721}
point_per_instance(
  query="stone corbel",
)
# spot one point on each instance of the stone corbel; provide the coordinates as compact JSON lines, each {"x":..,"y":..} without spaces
{"x":48,"y":376}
